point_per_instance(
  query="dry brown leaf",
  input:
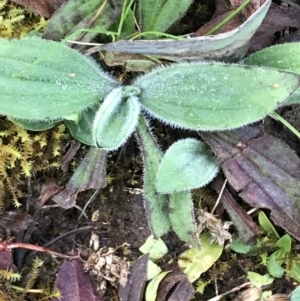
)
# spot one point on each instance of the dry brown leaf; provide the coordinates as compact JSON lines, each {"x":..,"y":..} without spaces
{"x":48,"y":191}
{"x":222,"y":13}
{"x":277,"y":18}
{"x":250,"y":294}
{"x":232,"y":24}
{"x":263,"y":170}
{"x":46,"y":8}
{"x":90,"y":174}
{"x":278,"y":297}
{"x":107,"y":267}
{"x":216,"y":227}
{"x":16,"y":221}
{"x":250,"y":9}
{"x":175,"y":286}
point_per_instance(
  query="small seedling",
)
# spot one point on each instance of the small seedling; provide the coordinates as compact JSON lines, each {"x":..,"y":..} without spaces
{"x":278,"y":256}
{"x":259,"y":281}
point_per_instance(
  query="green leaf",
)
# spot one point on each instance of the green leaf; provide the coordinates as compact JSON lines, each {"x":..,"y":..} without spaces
{"x":181,"y":213}
{"x":274,"y":263}
{"x":195,"y":262}
{"x":285,"y":243}
{"x":285,"y":57}
{"x":34,"y":125}
{"x":214,"y":96}
{"x":60,"y":83}
{"x":153,"y":270}
{"x":296,"y":294}
{"x":155,"y":247}
{"x":159,"y":15}
{"x":156,"y":205}
{"x":266,"y":225}
{"x":128,"y":27}
{"x":151,"y":290}
{"x":260,"y":280}
{"x":82,"y":129}
{"x":295,"y":269}
{"x":117,"y":118}
{"x":187,"y":164}
{"x":239,"y":247}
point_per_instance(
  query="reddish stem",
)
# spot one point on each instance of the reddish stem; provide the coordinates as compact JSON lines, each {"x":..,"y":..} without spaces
{"x":8,"y":245}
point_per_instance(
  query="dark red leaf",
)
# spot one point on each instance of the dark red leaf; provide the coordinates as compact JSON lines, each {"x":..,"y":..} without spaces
{"x":175,"y":285}
{"x":6,"y":262}
{"x":277,"y":19}
{"x":70,"y":154}
{"x":74,"y":284}
{"x":247,"y":229}
{"x":48,"y":191}
{"x":14,"y":222}
{"x":184,"y":291}
{"x":42,"y":7}
{"x":264,"y":170}
{"x":134,"y":287}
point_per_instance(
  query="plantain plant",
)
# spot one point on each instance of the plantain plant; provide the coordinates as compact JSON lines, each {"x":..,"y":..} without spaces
{"x":42,"y":83}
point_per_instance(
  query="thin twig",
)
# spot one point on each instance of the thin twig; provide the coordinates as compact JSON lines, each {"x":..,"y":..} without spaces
{"x":95,"y":194}
{"x":290,"y":2}
{"x":98,"y":12}
{"x":71,"y":232}
{"x":219,"y":197}
{"x":237,"y":288}
{"x":75,"y":206}
{"x":8,"y":245}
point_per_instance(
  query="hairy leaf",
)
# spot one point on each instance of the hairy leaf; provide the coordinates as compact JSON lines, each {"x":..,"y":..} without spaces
{"x":263,"y":170}
{"x":60,"y":82}
{"x":34,"y":125}
{"x":284,"y":57}
{"x":159,"y":15}
{"x":296,"y":294}
{"x":181,"y":213}
{"x":156,"y":204}
{"x":187,"y":164}
{"x":80,"y":15}
{"x":117,"y":118}
{"x":214,"y":96}
{"x":82,"y":129}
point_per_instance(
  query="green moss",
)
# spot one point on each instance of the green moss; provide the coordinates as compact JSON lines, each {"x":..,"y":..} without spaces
{"x":17,"y":22}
